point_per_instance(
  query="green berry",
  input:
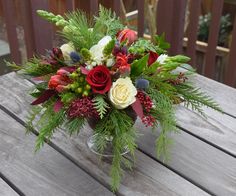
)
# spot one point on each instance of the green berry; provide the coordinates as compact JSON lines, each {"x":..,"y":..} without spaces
{"x":79,"y":90}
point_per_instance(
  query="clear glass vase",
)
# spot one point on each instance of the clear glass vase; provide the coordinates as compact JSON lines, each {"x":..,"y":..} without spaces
{"x":108,"y":151}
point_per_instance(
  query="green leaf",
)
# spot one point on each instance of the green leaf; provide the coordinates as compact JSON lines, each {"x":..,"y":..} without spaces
{"x":108,"y":48}
{"x":100,"y":105}
{"x":138,"y":67}
{"x":161,"y":43}
{"x":179,"y":59}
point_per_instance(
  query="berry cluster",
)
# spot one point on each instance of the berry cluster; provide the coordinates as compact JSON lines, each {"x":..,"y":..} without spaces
{"x":82,"y":108}
{"x":79,"y":85}
{"x":148,"y":120}
{"x":145,"y":101}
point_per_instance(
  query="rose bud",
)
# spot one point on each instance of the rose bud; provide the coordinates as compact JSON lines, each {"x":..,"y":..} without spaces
{"x":127,"y":35}
{"x":58,"y":82}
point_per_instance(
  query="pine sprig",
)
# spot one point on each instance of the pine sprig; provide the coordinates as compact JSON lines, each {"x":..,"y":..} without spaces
{"x":163,"y":111}
{"x":35,"y":111}
{"x":107,"y":22}
{"x":100,"y":105}
{"x":118,"y":125}
{"x":74,"y":125}
{"x":195,"y":98}
{"x":54,"y":120}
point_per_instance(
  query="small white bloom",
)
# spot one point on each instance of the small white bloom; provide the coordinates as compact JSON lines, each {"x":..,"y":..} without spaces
{"x":122,"y":93}
{"x":66,"y":50}
{"x":162,"y":58}
{"x":105,"y":40}
{"x":96,"y":50}
{"x":89,"y":67}
{"x":110,"y":62}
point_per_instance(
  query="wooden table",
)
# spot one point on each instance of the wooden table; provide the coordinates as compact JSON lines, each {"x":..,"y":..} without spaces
{"x":203,"y":157}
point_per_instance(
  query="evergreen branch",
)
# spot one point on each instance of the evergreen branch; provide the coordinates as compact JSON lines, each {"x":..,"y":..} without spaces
{"x":164,"y":113}
{"x":196,"y":99}
{"x":54,"y":120}
{"x":107,"y":22}
{"x":100,"y":105}
{"x":118,"y":125}
{"x":74,"y":125}
{"x":31,"y":117}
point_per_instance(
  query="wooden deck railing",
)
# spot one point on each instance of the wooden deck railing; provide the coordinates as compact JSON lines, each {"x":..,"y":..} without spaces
{"x":170,"y":19}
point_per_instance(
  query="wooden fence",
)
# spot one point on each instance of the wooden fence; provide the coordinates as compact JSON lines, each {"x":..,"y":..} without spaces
{"x":170,"y":19}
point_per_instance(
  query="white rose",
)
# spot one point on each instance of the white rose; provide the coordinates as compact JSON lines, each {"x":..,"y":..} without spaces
{"x":66,"y":50}
{"x":162,"y":58}
{"x":122,"y":93}
{"x":96,"y":50}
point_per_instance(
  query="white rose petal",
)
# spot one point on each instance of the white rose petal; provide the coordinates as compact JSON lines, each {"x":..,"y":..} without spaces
{"x":162,"y":58}
{"x":122,"y":93}
{"x":110,"y":62}
{"x":66,"y":50}
{"x":96,"y":50}
{"x":105,"y":40}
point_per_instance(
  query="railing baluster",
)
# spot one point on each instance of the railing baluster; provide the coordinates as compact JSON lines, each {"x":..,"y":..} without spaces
{"x":140,"y":18}
{"x":93,"y":7}
{"x":165,"y":18}
{"x":230,"y":73}
{"x":10,"y":16}
{"x":217,"y":7}
{"x":43,"y":31}
{"x":178,"y":26}
{"x":70,"y":5}
{"x":195,"y":8}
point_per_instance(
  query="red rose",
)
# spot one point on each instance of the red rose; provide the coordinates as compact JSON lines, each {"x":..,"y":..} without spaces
{"x":99,"y":79}
{"x":128,"y":35}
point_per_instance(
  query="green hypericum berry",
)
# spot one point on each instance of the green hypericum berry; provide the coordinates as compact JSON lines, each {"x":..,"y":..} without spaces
{"x":74,"y":75}
{"x":87,"y":87}
{"x":85,"y":93}
{"x":79,"y":90}
{"x":74,"y":86}
{"x":81,"y":79}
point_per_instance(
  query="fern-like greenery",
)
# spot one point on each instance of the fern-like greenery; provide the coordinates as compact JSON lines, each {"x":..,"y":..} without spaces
{"x":100,"y":105}
{"x":118,"y":125}
{"x":48,"y":123}
{"x":194,"y":98}
{"x":84,"y":33}
{"x":163,"y":111}
{"x":74,"y":125}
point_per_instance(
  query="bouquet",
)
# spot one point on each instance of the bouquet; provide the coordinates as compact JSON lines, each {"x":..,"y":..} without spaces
{"x":105,"y":75}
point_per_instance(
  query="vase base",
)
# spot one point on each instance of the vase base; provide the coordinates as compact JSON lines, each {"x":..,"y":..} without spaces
{"x":108,"y":151}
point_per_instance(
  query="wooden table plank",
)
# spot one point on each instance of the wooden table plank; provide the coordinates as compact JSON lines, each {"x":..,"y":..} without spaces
{"x":218,"y":129}
{"x":223,"y":94}
{"x":148,"y":178}
{"x":198,"y":161}
{"x":6,"y":190}
{"x":44,"y":173}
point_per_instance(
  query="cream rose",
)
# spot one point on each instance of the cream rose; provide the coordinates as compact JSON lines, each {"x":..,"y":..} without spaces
{"x":66,"y":50}
{"x":122,"y":93}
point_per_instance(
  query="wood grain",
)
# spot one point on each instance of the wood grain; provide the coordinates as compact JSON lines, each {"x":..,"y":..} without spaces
{"x":197,"y":161}
{"x":44,"y":173}
{"x":222,"y":94}
{"x":218,"y":129}
{"x":148,"y":178}
{"x":6,"y":190}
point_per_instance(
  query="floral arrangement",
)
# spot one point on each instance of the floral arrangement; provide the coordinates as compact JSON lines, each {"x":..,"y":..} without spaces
{"x":105,"y":75}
